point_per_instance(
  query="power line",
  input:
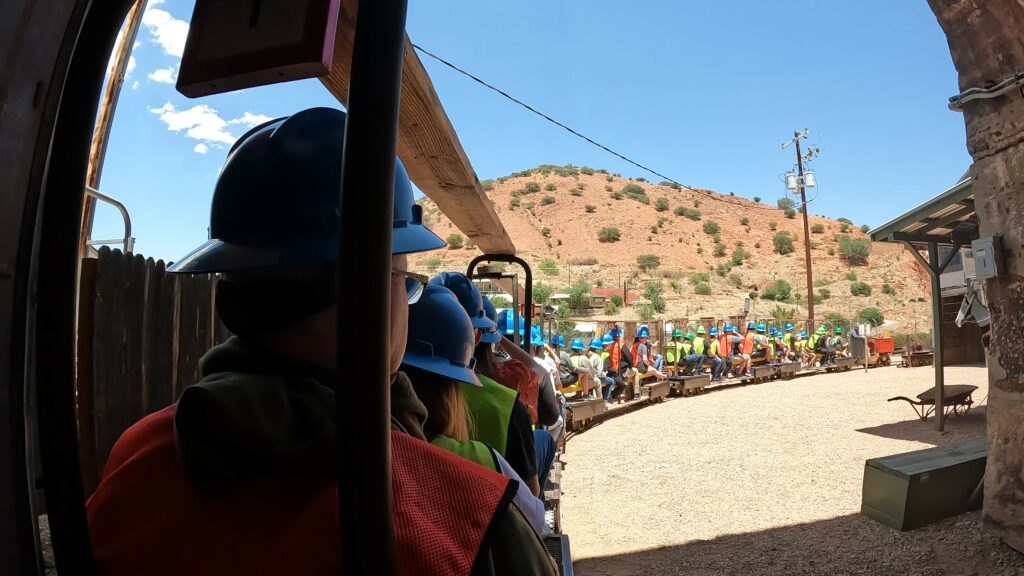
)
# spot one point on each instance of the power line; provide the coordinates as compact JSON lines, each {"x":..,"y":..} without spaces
{"x":719,"y":197}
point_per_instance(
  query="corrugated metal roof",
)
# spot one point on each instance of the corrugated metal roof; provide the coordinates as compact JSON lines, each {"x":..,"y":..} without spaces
{"x":947,"y":219}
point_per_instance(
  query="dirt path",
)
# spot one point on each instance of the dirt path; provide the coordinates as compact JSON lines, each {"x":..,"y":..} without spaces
{"x":766,"y":479}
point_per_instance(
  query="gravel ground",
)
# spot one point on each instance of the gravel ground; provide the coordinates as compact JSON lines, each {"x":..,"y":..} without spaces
{"x":766,"y":479}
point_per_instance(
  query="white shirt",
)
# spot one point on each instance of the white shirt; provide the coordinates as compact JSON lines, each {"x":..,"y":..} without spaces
{"x":531,"y":506}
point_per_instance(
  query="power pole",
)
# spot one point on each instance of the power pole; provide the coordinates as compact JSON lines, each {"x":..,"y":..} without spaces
{"x":801,"y":186}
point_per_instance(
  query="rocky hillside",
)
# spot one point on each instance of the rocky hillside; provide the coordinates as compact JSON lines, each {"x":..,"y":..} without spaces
{"x":706,"y":251}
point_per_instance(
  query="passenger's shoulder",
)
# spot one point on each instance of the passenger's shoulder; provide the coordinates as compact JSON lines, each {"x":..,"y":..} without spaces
{"x":150,"y":434}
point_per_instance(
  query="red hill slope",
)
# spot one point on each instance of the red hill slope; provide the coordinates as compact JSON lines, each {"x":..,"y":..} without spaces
{"x":556,"y":214}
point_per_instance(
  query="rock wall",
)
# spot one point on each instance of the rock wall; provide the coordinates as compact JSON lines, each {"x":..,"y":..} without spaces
{"x":986,"y":43}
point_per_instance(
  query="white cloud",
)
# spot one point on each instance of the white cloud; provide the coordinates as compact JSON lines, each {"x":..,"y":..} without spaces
{"x":136,"y":45}
{"x":203,"y":123}
{"x":163,"y":75}
{"x":131,"y":66}
{"x":201,"y":148}
{"x":250,"y":119}
{"x":135,"y":85}
{"x":167,"y":31}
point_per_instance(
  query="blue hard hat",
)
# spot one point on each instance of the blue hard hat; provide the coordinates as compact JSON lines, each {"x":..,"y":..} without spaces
{"x":772,"y":330}
{"x":713,"y":331}
{"x":643,"y":332}
{"x":750,"y":326}
{"x":789,"y":326}
{"x":506,"y":323}
{"x":490,"y":336}
{"x":607,"y":339}
{"x":441,"y":337}
{"x":577,"y":344}
{"x":275,"y":203}
{"x":468,"y":295}
{"x":760,"y":327}
{"x":803,"y":334}
{"x":734,"y":329}
{"x":561,"y":341}
{"x":595,"y":344}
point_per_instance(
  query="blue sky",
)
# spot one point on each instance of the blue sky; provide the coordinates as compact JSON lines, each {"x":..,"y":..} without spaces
{"x":701,"y":91}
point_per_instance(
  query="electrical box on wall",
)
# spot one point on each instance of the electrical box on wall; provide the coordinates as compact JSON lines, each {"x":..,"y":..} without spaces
{"x":987,"y":252}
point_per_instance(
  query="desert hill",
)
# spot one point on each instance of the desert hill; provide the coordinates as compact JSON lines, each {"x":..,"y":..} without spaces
{"x":555,"y":215}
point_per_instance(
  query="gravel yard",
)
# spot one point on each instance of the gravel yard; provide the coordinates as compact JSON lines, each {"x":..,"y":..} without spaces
{"x":766,"y":479}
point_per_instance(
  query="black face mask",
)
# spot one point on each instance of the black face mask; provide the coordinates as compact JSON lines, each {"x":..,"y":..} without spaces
{"x":271,"y":304}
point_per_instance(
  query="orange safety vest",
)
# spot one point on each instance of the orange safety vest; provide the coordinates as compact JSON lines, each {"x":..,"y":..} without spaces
{"x":615,"y":355}
{"x":748,"y":342}
{"x":147,"y":518}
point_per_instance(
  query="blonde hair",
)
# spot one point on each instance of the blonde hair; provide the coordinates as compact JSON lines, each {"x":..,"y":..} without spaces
{"x":460,"y":421}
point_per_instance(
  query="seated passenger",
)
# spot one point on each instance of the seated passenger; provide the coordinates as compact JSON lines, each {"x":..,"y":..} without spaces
{"x":438,"y":356}
{"x":643,"y":355}
{"x":240,"y":475}
{"x":761,"y":346}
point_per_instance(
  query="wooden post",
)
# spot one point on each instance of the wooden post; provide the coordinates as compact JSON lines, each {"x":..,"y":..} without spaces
{"x":84,"y":376}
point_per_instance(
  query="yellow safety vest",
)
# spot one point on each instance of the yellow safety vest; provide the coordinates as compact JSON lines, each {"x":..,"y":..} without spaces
{"x":673,"y":352}
{"x":698,"y":345}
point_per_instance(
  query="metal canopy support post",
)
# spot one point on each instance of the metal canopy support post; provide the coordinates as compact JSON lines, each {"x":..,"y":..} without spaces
{"x":935,"y":269}
{"x":527,"y":295}
{"x":366,"y":213}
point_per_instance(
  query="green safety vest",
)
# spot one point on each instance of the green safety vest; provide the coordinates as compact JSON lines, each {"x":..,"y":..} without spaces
{"x":687,"y":348}
{"x":788,"y":339}
{"x":471,"y":450}
{"x":604,"y":359}
{"x":673,"y":351}
{"x":698,"y":345}
{"x":713,"y":348}
{"x":811,"y":341}
{"x":491,"y":407}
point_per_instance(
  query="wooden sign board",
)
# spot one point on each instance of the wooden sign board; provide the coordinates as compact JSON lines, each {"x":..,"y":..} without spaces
{"x":235,"y":44}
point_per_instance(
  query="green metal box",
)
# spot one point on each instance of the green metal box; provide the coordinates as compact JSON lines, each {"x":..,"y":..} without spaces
{"x":907,"y":491}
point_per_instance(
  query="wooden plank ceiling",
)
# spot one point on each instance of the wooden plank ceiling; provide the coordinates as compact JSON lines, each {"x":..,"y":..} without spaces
{"x":427,"y":143}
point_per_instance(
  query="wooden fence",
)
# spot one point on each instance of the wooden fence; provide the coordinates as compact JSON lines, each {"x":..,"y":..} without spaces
{"x":141,"y":333}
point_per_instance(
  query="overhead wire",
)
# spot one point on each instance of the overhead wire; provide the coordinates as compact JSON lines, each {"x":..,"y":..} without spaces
{"x":506,"y":95}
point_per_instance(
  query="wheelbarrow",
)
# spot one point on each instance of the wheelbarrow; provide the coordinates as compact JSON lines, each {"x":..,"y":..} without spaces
{"x":956,"y":398}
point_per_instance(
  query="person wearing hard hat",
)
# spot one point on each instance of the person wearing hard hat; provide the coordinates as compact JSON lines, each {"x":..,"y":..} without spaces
{"x":594,"y":357}
{"x":608,"y":344}
{"x":692,"y":358}
{"x":582,"y":366}
{"x":839,"y":342}
{"x":643,"y":355}
{"x":761,"y":345}
{"x":674,"y":355}
{"x":239,"y":476}
{"x":787,"y":338}
{"x":439,"y":362}
{"x":821,"y":345}
{"x":748,"y":344}
{"x":700,"y":346}
{"x":797,"y":352}
{"x":714,"y":355}
{"x":739,"y":362}
{"x":530,"y":451}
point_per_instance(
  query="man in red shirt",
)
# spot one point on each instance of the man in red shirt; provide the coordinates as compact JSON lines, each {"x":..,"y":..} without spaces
{"x":239,"y":476}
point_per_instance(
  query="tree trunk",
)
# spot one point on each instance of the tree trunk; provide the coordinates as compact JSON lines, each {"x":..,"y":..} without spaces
{"x":985,"y":39}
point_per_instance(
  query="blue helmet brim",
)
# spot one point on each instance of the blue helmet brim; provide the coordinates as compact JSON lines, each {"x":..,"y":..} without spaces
{"x":441,"y":367}
{"x":220,"y":256}
{"x":483,"y":323}
{"x":414,"y":238}
{"x":490,"y":337}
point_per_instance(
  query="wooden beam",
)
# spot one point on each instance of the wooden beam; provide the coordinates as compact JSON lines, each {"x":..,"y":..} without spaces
{"x":427,"y":143}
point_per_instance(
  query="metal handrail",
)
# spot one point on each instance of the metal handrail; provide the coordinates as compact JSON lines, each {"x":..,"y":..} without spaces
{"x":128,"y":242}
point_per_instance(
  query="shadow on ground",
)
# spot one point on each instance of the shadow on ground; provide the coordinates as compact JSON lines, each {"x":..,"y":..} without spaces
{"x":850,"y":544}
{"x":970,"y":425}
